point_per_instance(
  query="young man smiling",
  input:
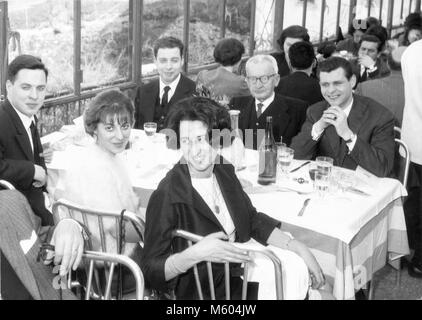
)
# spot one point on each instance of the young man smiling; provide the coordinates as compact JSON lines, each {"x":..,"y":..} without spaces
{"x":154,"y":99}
{"x":353,"y":130}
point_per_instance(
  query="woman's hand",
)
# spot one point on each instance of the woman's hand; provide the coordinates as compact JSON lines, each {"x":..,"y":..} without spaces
{"x":213,"y":248}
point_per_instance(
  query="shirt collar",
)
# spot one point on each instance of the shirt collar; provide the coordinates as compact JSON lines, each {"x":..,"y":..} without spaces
{"x":348,"y":108}
{"x":24,"y":118}
{"x":172,"y":85}
{"x":266,"y":102}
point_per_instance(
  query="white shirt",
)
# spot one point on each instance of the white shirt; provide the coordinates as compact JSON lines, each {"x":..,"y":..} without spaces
{"x":316,"y":135}
{"x":210,"y":192}
{"x":26,"y":121}
{"x":172,"y":86}
{"x":412,"y":114}
{"x":265,"y":103}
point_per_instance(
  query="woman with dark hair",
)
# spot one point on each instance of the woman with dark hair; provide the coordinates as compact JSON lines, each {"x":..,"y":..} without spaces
{"x":224,"y":83}
{"x":356,"y":30}
{"x":96,"y":176}
{"x":412,"y":30}
{"x":202,"y":195}
{"x":288,"y":37}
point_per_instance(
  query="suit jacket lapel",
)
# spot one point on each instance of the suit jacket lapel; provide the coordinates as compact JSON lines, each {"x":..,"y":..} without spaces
{"x":21,"y":135}
{"x":151,"y":96}
{"x":182,"y":90}
{"x":278,"y":110}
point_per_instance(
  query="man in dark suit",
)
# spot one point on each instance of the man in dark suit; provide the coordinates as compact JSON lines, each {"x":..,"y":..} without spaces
{"x":22,"y":277}
{"x":22,"y":160}
{"x":369,"y":64}
{"x":288,"y":113}
{"x":153,"y":100}
{"x":353,"y":130}
{"x":299,"y":84}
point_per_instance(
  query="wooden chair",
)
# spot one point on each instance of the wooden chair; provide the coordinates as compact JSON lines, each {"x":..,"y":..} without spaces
{"x":193,"y":238}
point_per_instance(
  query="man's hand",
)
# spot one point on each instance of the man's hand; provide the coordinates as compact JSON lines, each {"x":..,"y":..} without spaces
{"x":40,"y":177}
{"x":338,"y":118}
{"x":69,"y":245}
{"x":47,"y":155}
{"x":367,"y":62}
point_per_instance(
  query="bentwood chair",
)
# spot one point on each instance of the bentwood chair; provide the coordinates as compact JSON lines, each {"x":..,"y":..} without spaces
{"x":6,"y":185}
{"x":193,"y":238}
{"x":86,"y":216}
{"x":93,"y":257}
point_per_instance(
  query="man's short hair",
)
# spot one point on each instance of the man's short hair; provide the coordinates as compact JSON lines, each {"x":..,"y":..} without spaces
{"x":301,"y":55}
{"x":25,"y":61}
{"x":261,"y":58}
{"x":228,"y":52}
{"x":297,"y":32}
{"x":381,"y":33}
{"x":168,"y":43}
{"x":371,"y":38}
{"x":333,"y":63}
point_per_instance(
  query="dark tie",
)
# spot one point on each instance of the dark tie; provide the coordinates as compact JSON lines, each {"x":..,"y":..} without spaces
{"x":165,"y":99}
{"x":259,"y":112}
{"x":364,"y":76}
{"x":37,"y":145}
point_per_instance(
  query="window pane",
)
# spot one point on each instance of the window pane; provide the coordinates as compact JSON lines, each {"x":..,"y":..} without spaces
{"x":313,"y":19}
{"x":264,"y":25}
{"x":330,"y":19}
{"x":406,"y":8}
{"x":238,"y":21}
{"x":397,"y":20}
{"x":204,"y":31}
{"x":384,"y":16}
{"x":362,"y":9}
{"x":44,"y":28}
{"x":105,"y":46}
{"x":160,"y":18}
{"x":292,"y":13}
{"x":344,"y":16}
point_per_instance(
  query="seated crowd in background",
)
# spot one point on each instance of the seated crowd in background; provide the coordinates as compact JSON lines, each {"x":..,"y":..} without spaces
{"x":314,"y":113}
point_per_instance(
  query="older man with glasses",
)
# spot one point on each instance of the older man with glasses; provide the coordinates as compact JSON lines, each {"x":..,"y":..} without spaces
{"x":288,"y":113}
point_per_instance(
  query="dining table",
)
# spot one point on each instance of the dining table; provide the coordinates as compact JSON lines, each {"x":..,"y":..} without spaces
{"x":353,"y":231}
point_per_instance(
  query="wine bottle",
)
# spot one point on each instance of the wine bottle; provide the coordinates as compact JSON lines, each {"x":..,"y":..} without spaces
{"x":267,"y":156}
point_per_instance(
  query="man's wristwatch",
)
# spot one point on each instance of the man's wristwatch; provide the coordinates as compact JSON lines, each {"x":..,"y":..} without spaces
{"x":352,"y":137}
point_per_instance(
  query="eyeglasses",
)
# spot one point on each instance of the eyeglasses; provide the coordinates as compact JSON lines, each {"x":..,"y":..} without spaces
{"x":263,"y":79}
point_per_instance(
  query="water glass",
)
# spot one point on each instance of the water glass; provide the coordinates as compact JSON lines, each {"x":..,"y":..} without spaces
{"x":284,"y":158}
{"x":313,"y":169}
{"x":150,"y":128}
{"x":321,"y":184}
{"x":325,"y":165}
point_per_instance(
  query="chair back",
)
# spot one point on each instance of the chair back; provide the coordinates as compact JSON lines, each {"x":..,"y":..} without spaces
{"x":403,"y":168}
{"x":193,"y":238}
{"x":110,"y":260}
{"x":6,"y":185}
{"x":84,"y":214}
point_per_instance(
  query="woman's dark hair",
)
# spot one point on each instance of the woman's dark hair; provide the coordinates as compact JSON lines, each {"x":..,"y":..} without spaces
{"x":413,"y":20}
{"x":25,"y":61}
{"x":301,"y":55}
{"x":108,"y":104}
{"x":228,"y":52}
{"x":206,"y":110}
{"x":381,"y":33}
{"x":333,"y":63}
{"x":297,"y":32}
{"x":406,"y":41}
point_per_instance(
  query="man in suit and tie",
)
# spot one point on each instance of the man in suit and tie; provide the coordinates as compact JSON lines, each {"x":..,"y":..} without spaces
{"x":22,"y":159}
{"x":153,"y":100}
{"x":353,"y":130}
{"x":22,"y":277}
{"x":288,"y":113}
{"x":369,"y":64}
{"x":300,"y":84}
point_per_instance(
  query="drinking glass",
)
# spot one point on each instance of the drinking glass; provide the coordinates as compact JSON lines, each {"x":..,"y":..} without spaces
{"x":313,"y":169}
{"x":321,"y":184}
{"x":325,"y":165}
{"x":284,"y":158}
{"x":150,"y":128}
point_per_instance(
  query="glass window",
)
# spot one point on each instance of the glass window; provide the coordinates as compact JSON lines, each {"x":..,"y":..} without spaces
{"x":313,"y":19}
{"x":344,"y":17}
{"x":397,"y":20}
{"x":330,"y":20}
{"x":105,"y":45}
{"x":44,"y":28}
{"x":238,"y":20}
{"x":292,"y":13}
{"x":160,"y":18}
{"x":384,"y":14}
{"x":362,"y":9}
{"x":264,"y":25}
{"x":406,"y":8}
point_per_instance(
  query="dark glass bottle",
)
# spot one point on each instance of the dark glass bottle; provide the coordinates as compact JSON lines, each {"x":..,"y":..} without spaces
{"x":267,"y":156}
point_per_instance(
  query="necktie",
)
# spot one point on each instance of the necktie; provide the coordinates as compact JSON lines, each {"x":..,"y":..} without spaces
{"x":165,"y":99}
{"x":364,"y":76}
{"x":36,"y":142}
{"x":259,"y":112}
